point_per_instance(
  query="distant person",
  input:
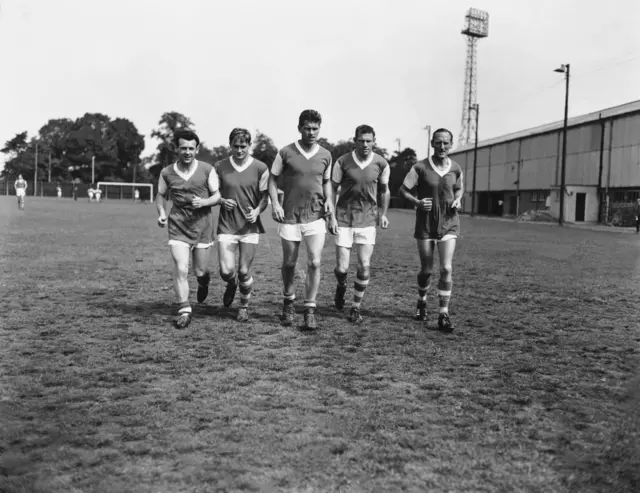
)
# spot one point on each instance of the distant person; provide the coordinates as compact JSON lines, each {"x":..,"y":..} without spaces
{"x":75,"y":192}
{"x":98,"y":193}
{"x":91,"y":193}
{"x":357,"y":177}
{"x":58,"y":191}
{"x":636,"y":212}
{"x":20,"y":187}
{"x":136,"y":196}
{"x":243,"y":184}
{"x":193,"y":188}
{"x":307,"y":200}
{"x":439,"y":184}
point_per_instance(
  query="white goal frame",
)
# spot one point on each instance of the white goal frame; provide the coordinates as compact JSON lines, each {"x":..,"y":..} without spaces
{"x":120,"y":184}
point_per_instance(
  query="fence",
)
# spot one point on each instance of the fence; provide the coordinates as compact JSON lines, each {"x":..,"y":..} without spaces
{"x":619,"y":214}
{"x":48,"y":189}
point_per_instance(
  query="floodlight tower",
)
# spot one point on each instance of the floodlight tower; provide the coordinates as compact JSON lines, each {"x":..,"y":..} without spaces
{"x":476,"y":27}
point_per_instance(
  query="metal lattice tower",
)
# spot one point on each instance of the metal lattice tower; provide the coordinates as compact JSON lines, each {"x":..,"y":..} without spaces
{"x":476,"y":27}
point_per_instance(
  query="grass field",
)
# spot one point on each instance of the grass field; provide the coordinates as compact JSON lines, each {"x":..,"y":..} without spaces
{"x":537,"y":390}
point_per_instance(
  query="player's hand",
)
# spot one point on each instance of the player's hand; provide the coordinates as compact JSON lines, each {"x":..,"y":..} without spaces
{"x":457,"y":204}
{"x":197,"y":202}
{"x":162,"y":221}
{"x":252,"y":214}
{"x":277,"y":212}
{"x":384,"y":222}
{"x":228,"y":204}
{"x":426,"y":204}
{"x":332,"y":226}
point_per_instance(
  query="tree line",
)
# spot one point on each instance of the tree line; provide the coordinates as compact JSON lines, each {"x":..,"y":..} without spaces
{"x":108,"y":149}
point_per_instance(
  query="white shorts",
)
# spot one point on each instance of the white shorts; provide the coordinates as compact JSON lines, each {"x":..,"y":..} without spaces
{"x":20,"y":192}
{"x":444,"y":238}
{"x":90,"y":194}
{"x":187,"y":245}
{"x":360,"y":236}
{"x":295,"y":232}
{"x":253,"y":238}
{"x":59,"y":194}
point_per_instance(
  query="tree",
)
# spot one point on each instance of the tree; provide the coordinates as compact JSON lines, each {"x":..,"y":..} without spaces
{"x":400,"y":164}
{"x":165,"y":153}
{"x":129,"y":146}
{"x":52,"y":136}
{"x":212,"y":156}
{"x":19,"y":161}
{"x":264,"y":149}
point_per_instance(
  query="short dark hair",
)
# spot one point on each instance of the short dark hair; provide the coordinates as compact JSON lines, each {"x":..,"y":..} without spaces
{"x":311,"y":116}
{"x":365,"y":129}
{"x":240,"y":132}
{"x":442,"y":130}
{"x":186,"y":135}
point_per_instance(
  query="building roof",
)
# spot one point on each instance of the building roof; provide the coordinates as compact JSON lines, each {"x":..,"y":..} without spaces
{"x":632,"y":107}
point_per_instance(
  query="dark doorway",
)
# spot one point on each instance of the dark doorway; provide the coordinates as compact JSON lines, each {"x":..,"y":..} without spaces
{"x":513,"y":205}
{"x":581,"y":202}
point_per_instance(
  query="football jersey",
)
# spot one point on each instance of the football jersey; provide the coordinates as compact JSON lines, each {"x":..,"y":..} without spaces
{"x":439,"y":185}
{"x":357,"y":205}
{"x":303,"y":174}
{"x":21,"y":184}
{"x":185,"y":222}
{"x":244,"y":184}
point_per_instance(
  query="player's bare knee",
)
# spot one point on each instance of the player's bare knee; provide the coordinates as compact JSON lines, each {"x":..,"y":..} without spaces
{"x":288,"y":264}
{"x":227,"y":273}
{"x":446,"y":271}
{"x":313,"y":263}
{"x":364,"y":268}
{"x":182,"y":272}
{"x":243,"y":272}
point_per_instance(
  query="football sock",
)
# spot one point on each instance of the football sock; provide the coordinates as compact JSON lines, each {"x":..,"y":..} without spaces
{"x":359,"y":286}
{"x":246,"y":286}
{"x":289,"y":298}
{"x":424,"y":280}
{"x":309,"y":304}
{"x":444,"y":295}
{"x":341,"y":277}
{"x":204,"y":279}
{"x":184,"y":307}
{"x":229,"y":278}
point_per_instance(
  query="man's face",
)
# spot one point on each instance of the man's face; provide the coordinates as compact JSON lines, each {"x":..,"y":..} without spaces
{"x":240,"y":148}
{"x":187,"y":150}
{"x":441,"y":143}
{"x":364,"y":144}
{"x":19,"y":177}
{"x":309,"y":132}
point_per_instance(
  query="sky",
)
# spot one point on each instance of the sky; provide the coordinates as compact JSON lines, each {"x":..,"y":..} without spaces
{"x":396,"y":65}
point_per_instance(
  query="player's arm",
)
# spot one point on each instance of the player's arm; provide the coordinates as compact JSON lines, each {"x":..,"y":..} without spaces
{"x":408,"y":185}
{"x":336,"y":180}
{"x":329,"y":204}
{"x":213,"y":184}
{"x":264,"y":191}
{"x":458,"y":191}
{"x":276,"y":169}
{"x":386,"y":195}
{"x":161,"y":202}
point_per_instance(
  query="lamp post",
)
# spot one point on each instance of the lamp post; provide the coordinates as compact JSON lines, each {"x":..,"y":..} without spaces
{"x":428,"y":129}
{"x":476,"y":108}
{"x":564,"y":69}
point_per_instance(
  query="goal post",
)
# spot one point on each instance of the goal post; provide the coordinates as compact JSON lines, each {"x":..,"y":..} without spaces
{"x":126,"y":191}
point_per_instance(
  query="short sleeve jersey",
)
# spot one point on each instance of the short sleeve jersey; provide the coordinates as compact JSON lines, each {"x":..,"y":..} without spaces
{"x":303,"y":174}
{"x":186,"y":223}
{"x":441,"y":186}
{"x":20,"y":184}
{"x":357,"y":205}
{"x":245,"y":184}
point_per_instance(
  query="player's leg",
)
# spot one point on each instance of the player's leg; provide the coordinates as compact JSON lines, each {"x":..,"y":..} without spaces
{"x":201,"y":258}
{"x":290,"y":236}
{"x":314,"y":243}
{"x":181,"y":253}
{"x":227,"y":250}
{"x":363,"y":273}
{"x":344,"y":242}
{"x":426,"y":251}
{"x":245,"y":279}
{"x":446,"y":249}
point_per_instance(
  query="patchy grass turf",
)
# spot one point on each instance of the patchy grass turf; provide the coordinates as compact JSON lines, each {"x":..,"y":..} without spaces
{"x":536,"y":391}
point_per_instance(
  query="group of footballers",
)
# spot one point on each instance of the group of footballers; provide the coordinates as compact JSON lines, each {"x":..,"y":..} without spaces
{"x":309,"y":196}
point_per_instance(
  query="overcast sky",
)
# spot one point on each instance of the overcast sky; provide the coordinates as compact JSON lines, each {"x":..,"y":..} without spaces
{"x":397,"y":65}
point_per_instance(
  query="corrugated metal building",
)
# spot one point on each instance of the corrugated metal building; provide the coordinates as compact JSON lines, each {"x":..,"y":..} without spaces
{"x":519,"y":172}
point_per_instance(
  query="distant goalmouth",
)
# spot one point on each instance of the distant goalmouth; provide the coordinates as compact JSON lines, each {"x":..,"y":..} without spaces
{"x":125,"y":191}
